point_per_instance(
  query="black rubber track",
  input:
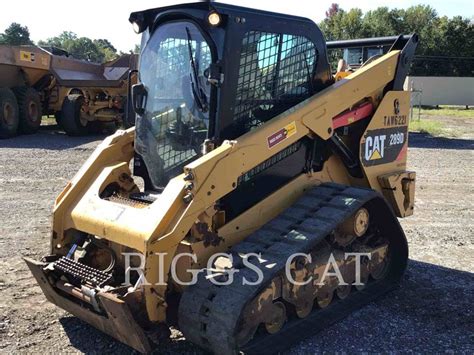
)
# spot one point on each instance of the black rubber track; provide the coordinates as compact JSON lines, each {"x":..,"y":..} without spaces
{"x":209,"y":315}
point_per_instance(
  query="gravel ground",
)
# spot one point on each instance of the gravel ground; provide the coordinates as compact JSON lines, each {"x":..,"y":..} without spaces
{"x":431,"y":311}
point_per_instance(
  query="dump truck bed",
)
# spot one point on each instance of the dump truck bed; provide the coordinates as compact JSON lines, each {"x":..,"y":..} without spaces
{"x":20,"y":65}
{"x":78,"y":73}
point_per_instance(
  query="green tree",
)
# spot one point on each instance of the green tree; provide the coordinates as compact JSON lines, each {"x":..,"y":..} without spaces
{"x":457,"y":36}
{"x":63,"y":41}
{"x":439,"y":36}
{"x":107,"y":49}
{"x":98,"y":50}
{"x":352,"y":24}
{"x":15,"y":34}
{"x":423,"y":20}
{"x":382,"y":22}
{"x":84,"y":48}
{"x":340,"y":24}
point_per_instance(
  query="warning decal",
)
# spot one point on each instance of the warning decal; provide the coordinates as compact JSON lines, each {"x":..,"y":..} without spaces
{"x":281,"y":135}
{"x":27,"y":56}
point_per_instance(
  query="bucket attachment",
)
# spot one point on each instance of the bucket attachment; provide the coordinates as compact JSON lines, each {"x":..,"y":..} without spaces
{"x":115,"y":317}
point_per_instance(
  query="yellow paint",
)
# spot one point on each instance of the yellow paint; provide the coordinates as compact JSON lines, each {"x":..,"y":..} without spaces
{"x":290,"y":129}
{"x":375,"y":155}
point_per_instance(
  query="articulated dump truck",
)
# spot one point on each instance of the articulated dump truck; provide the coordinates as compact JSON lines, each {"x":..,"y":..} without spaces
{"x":36,"y":81}
{"x":255,"y":201}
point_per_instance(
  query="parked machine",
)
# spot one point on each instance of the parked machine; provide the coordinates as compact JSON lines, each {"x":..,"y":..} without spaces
{"x":244,"y":145}
{"x":356,"y":52}
{"x":36,"y":82}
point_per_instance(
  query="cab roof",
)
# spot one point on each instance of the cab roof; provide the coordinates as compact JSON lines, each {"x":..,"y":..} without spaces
{"x":221,"y":8}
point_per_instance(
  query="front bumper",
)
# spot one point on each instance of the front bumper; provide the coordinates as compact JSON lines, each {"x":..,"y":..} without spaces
{"x":117,"y":321}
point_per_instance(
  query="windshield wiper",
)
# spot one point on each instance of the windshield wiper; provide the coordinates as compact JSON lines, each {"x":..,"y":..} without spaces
{"x":198,"y":93}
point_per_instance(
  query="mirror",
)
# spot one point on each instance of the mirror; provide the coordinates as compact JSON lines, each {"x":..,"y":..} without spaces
{"x":139,"y":98}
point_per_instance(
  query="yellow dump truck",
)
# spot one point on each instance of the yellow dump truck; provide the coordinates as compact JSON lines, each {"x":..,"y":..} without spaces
{"x":36,"y":81}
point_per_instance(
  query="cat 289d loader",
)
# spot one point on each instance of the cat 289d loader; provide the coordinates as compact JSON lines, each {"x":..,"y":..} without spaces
{"x":256,"y":199}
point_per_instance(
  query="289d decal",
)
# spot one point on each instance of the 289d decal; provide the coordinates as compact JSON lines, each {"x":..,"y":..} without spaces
{"x":381,"y":146}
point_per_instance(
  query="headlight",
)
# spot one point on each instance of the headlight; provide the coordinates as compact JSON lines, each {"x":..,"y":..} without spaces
{"x":214,"y":19}
{"x":136,"y":27}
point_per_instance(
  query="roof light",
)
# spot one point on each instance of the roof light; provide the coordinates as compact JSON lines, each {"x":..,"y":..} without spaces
{"x":136,"y":27}
{"x":214,"y":19}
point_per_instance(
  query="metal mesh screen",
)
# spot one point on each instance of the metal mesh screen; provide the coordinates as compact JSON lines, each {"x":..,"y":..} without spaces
{"x":275,"y":73}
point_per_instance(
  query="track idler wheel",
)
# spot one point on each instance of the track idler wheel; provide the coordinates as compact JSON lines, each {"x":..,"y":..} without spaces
{"x":364,"y":274}
{"x":304,"y":309}
{"x":324,"y":298}
{"x":277,"y":318}
{"x":353,"y":227}
{"x":245,"y":334}
{"x":379,"y":268}
{"x":343,"y":291}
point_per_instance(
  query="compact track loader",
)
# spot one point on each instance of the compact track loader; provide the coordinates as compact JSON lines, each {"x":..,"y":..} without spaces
{"x":256,"y":199}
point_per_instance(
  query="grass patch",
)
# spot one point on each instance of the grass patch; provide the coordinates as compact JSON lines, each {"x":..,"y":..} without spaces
{"x":430,"y":127}
{"x":455,"y":111}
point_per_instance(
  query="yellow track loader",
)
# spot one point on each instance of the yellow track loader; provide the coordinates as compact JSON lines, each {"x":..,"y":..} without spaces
{"x":256,"y":199}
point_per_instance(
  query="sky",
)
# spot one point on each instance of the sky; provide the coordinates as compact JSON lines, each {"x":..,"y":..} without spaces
{"x":109,"y":19}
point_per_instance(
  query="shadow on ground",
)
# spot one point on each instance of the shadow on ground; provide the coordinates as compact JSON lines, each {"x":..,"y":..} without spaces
{"x":425,"y":140}
{"x":50,"y":138}
{"x":432,"y":305}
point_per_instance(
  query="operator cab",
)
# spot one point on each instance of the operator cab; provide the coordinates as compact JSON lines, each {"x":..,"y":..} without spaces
{"x":210,"y":72}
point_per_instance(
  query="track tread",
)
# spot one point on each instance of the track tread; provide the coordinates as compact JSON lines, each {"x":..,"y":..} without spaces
{"x":333,"y":203}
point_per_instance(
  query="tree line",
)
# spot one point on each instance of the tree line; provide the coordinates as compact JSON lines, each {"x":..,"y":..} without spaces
{"x":439,"y":36}
{"x":446,"y":45}
{"x":97,"y":50}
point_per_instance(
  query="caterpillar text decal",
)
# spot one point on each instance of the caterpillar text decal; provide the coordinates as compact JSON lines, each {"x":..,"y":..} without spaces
{"x":381,"y":146}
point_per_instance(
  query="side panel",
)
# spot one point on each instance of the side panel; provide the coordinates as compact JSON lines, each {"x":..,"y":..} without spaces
{"x":383,"y":152}
{"x":22,"y":63}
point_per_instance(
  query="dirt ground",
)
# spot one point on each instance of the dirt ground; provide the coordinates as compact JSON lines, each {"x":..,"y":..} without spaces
{"x":431,"y":311}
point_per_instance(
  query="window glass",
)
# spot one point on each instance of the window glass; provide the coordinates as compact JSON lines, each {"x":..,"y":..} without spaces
{"x":353,"y":56}
{"x":174,"y":125}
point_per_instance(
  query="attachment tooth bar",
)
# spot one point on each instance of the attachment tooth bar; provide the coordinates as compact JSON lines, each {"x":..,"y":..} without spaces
{"x":82,"y":273}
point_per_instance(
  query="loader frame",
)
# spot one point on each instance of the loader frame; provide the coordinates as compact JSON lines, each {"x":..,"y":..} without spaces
{"x":213,"y":177}
{"x":373,"y":95}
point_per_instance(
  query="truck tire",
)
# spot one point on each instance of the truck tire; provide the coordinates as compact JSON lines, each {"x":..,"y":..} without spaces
{"x":57,"y":117}
{"x":71,"y":116}
{"x":30,"y":109}
{"x":9,"y":118}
